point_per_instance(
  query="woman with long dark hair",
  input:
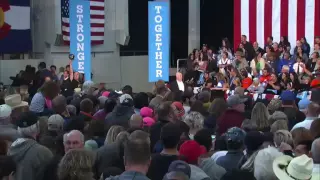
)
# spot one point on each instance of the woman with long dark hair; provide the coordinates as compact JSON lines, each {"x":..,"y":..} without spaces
{"x":41,"y":101}
{"x":295,"y":81}
{"x":284,"y":42}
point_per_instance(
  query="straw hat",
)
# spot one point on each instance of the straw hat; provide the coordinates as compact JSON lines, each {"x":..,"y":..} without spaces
{"x":288,"y":168}
{"x":14,"y":101}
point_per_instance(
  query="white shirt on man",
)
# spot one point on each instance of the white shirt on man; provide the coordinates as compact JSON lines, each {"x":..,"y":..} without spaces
{"x":180,"y":85}
{"x":306,"y":123}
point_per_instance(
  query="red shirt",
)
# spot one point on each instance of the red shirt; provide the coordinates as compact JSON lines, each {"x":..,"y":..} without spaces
{"x":246,"y":82}
{"x":264,"y":78}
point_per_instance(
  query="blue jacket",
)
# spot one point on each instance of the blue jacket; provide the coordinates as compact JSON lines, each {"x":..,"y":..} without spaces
{"x":286,"y":62}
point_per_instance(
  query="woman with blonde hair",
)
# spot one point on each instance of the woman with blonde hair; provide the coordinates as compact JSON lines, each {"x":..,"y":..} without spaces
{"x":195,"y":122}
{"x":260,"y":116}
{"x":76,"y":165}
{"x":282,"y":136}
{"x":279,"y":125}
{"x":113,"y":133}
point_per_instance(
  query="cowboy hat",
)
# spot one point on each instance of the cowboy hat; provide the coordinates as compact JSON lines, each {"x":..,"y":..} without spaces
{"x":288,"y":168}
{"x":14,"y":101}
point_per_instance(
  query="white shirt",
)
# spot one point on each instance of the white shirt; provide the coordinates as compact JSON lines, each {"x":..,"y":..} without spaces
{"x":180,"y":85}
{"x":306,"y":123}
{"x":224,"y":61}
{"x":296,"y":67}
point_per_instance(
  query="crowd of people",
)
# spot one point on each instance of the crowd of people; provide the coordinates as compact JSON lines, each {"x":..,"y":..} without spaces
{"x":57,"y":127}
{"x":270,"y":69}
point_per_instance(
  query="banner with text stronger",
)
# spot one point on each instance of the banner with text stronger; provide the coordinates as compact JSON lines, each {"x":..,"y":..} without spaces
{"x":159,"y":40}
{"x":80,"y":36}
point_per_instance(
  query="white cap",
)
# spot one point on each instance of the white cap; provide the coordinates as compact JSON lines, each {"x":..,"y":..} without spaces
{"x":5,"y":111}
{"x":123,"y":97}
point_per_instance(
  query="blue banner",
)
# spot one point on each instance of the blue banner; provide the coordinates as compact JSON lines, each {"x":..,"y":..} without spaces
{"x":80,"y":36}
{"x":159,"y":40}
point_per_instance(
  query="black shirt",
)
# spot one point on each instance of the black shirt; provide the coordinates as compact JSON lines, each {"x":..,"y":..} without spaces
{"x":67,"y":87}
{"x":159,"y":165}
{"x":270,"y":90}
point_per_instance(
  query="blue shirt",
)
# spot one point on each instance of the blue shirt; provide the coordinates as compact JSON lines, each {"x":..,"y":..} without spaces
{"x":285,"y":62}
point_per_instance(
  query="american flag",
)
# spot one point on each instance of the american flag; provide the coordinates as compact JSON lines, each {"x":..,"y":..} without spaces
{"x":97,"y":21}
{"x":258,"y":19}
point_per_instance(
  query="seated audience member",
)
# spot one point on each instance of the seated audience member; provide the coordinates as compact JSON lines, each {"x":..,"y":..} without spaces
{"x":265,"y":77}
{"x":170,"y":137}
{"x":299,"y":66}
{"x":137,"y":157}
{"x":235,"y":142}
{"x":286,"y":61}
{"x":263,"y":163}
{"x":246,"y":80}
{"x":312,"y":114}
{"x":272,"y":86}
{"x":121,"y":113}
{"x":233,"y":116}
{"x":256,"y":87}
{"x":41,"y":102}
{"x":257,"y":65}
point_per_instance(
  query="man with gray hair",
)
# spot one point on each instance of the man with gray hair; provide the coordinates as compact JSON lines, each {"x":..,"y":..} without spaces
{"x":73,"y":140}
{"x":315,"y":153}
{"x":31,"y":158}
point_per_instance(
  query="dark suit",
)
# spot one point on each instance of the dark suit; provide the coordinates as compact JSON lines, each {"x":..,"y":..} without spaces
{"x":174,"y":87}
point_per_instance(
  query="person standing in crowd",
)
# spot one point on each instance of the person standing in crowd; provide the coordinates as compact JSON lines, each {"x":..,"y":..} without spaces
{"x":312,"y":114}
{"x":235,"y":139}
{"x":248,"y":47}
{"x":70,"y":81}
{"x":305,"y":46}
{"x":53,"y":69}
{"x":285,"y":43}
{"x":232,"y":117}
{"x":160,"y":90}
{"x":41,"y":102}
{"x":31,"y":158}
{"x":170,"y":137}
{"x":121,"y":113}
{"x":136,"y":157}
{"x":286,"y":61}
{"x":257,"y":49}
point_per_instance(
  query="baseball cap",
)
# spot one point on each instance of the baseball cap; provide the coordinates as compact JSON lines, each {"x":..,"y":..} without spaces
{"x":303,"y":104}
{"x":179,"y":108}
{"x":192,"y":150}
{"x":146,"y":112}
{"x":126,"y":100}
{"x":235,"y":134}
{"x":55,"y":123}
{"x":235,"y":100}
{"x":148,"y":122}
{"x":180,"y":166}
{"x":5,"y":111}
{"x":27,"y":119}
{"x":287,"y":96}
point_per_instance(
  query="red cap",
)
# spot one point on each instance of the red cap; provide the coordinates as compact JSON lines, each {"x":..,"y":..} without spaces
{"x":191,"y":150}
{"x":179,"y":107}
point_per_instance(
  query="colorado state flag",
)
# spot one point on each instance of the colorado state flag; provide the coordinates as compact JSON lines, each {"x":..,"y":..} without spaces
{"x":15,"y":33}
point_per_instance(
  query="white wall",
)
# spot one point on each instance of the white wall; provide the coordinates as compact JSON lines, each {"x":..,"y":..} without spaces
{"x":111,"y":69}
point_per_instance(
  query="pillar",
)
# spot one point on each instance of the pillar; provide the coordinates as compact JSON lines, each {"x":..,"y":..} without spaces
{"x":194,"y":25}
